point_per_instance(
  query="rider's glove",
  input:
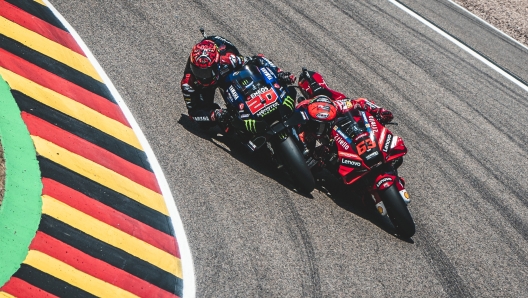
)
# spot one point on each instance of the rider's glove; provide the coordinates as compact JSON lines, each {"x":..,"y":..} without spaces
{"x":248,"y":59}
{"x":384,"y":116}
{"x":219,"y":115}
{"x":286,"y":77}
{"x":256,"y":60}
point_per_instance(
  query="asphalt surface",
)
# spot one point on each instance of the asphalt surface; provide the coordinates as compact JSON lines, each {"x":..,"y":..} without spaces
{"x":250,"y":234}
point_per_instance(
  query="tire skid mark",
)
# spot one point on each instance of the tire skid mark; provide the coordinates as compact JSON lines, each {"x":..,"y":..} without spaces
{"x":299,"y":234}
{"x":445,"y":271}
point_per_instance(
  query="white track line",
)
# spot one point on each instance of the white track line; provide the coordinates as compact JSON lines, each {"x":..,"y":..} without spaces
{"x":189,"y":286}
{"x":460,"y":45}
{"x":488,"y":24}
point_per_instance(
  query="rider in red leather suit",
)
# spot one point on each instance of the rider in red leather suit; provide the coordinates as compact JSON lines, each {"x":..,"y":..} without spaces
{"x":314,"y":87}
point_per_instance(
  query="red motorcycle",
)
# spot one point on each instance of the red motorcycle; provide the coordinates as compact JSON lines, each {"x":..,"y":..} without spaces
{"x":360,"y":150}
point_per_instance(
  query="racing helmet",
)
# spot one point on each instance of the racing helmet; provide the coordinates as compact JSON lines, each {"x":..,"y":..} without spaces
{"x":205,"y":59}
{"x":322,"y":113}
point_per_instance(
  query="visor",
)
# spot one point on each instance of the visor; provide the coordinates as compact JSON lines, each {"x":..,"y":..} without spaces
{"x":204,"y":74}
{"x":319,"y":128}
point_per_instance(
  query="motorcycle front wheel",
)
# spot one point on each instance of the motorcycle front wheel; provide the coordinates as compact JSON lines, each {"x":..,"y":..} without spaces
{"x":398,"y":212}
{"x":295,"y":164}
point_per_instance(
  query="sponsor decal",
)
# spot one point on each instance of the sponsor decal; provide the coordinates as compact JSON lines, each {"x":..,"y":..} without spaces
{"x":269,"y":62}
{"x":365,"y":120}
{"x":373,"y":124}
{"x":251,"y":125}
{"x":348,"y":155}
{"x":325,"y":100}
{"x":288,"y":101}
{"x":258,"y":92}
{"x":233,"y":92}
{"x":187,"y":88}
{"x":276,"y":85}
{"x":361,"y":136}
{"x":267,"y":109}
{"x":252,"y":146}
{"x":241,"y":106}
{"x":266,"y":73}
{"x":370,"y":104}
{"x":372,"y":155}
{"x":326,"y":108}
{"x":381,"y":208}
{"x":222,"y":39}
{"x":405,"y":196}
{"x":352,"y":163}
{"x":387,"y":143}
{"x":201,"y":118}
{"x":244,"y":116}
{"x":343,"y":135}
{"x":342,"y":142}
{"x":386,"y":179}
{"x":322,"y":116}
{"x":229,"y":97}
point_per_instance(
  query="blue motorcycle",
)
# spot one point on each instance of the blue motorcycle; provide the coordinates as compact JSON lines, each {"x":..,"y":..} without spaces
{"x":261,"y":112}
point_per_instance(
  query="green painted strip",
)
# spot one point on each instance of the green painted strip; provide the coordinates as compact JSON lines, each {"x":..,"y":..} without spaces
{"x":22,"y":206}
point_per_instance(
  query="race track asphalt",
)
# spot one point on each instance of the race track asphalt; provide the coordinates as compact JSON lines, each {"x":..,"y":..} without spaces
{"x":251,"y":235}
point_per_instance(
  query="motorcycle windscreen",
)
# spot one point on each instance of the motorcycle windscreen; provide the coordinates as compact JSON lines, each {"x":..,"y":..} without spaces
{"x":358,"y":130}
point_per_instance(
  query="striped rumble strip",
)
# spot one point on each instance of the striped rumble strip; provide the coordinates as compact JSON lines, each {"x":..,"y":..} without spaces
{"x":104,"y":228}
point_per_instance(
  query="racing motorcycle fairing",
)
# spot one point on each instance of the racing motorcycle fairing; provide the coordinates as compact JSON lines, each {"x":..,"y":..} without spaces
{"x":254,"y":92}
{"x":363,"y":144}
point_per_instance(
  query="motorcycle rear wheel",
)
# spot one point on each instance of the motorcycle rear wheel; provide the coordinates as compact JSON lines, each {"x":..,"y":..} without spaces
{"x":398,"y":212}
{"x":295,"y":164}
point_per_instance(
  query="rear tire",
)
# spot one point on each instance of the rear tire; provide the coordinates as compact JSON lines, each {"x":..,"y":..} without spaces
{"x":295,"y":165}
{"x":398,"y":212}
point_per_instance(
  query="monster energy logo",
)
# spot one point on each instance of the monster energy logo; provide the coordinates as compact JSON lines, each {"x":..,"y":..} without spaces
{"x":283,"y":135}
{"x":245,"y":82}
{"x":267,"y":109}
{"x":251,"y":125}
{"x":288,"y":101}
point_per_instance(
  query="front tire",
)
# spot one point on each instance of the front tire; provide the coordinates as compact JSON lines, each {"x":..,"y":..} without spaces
{"x":398,"y":212}
{"x":295,"y":164}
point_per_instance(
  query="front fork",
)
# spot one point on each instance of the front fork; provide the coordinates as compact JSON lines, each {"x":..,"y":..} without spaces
{"x":382,"y":182}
